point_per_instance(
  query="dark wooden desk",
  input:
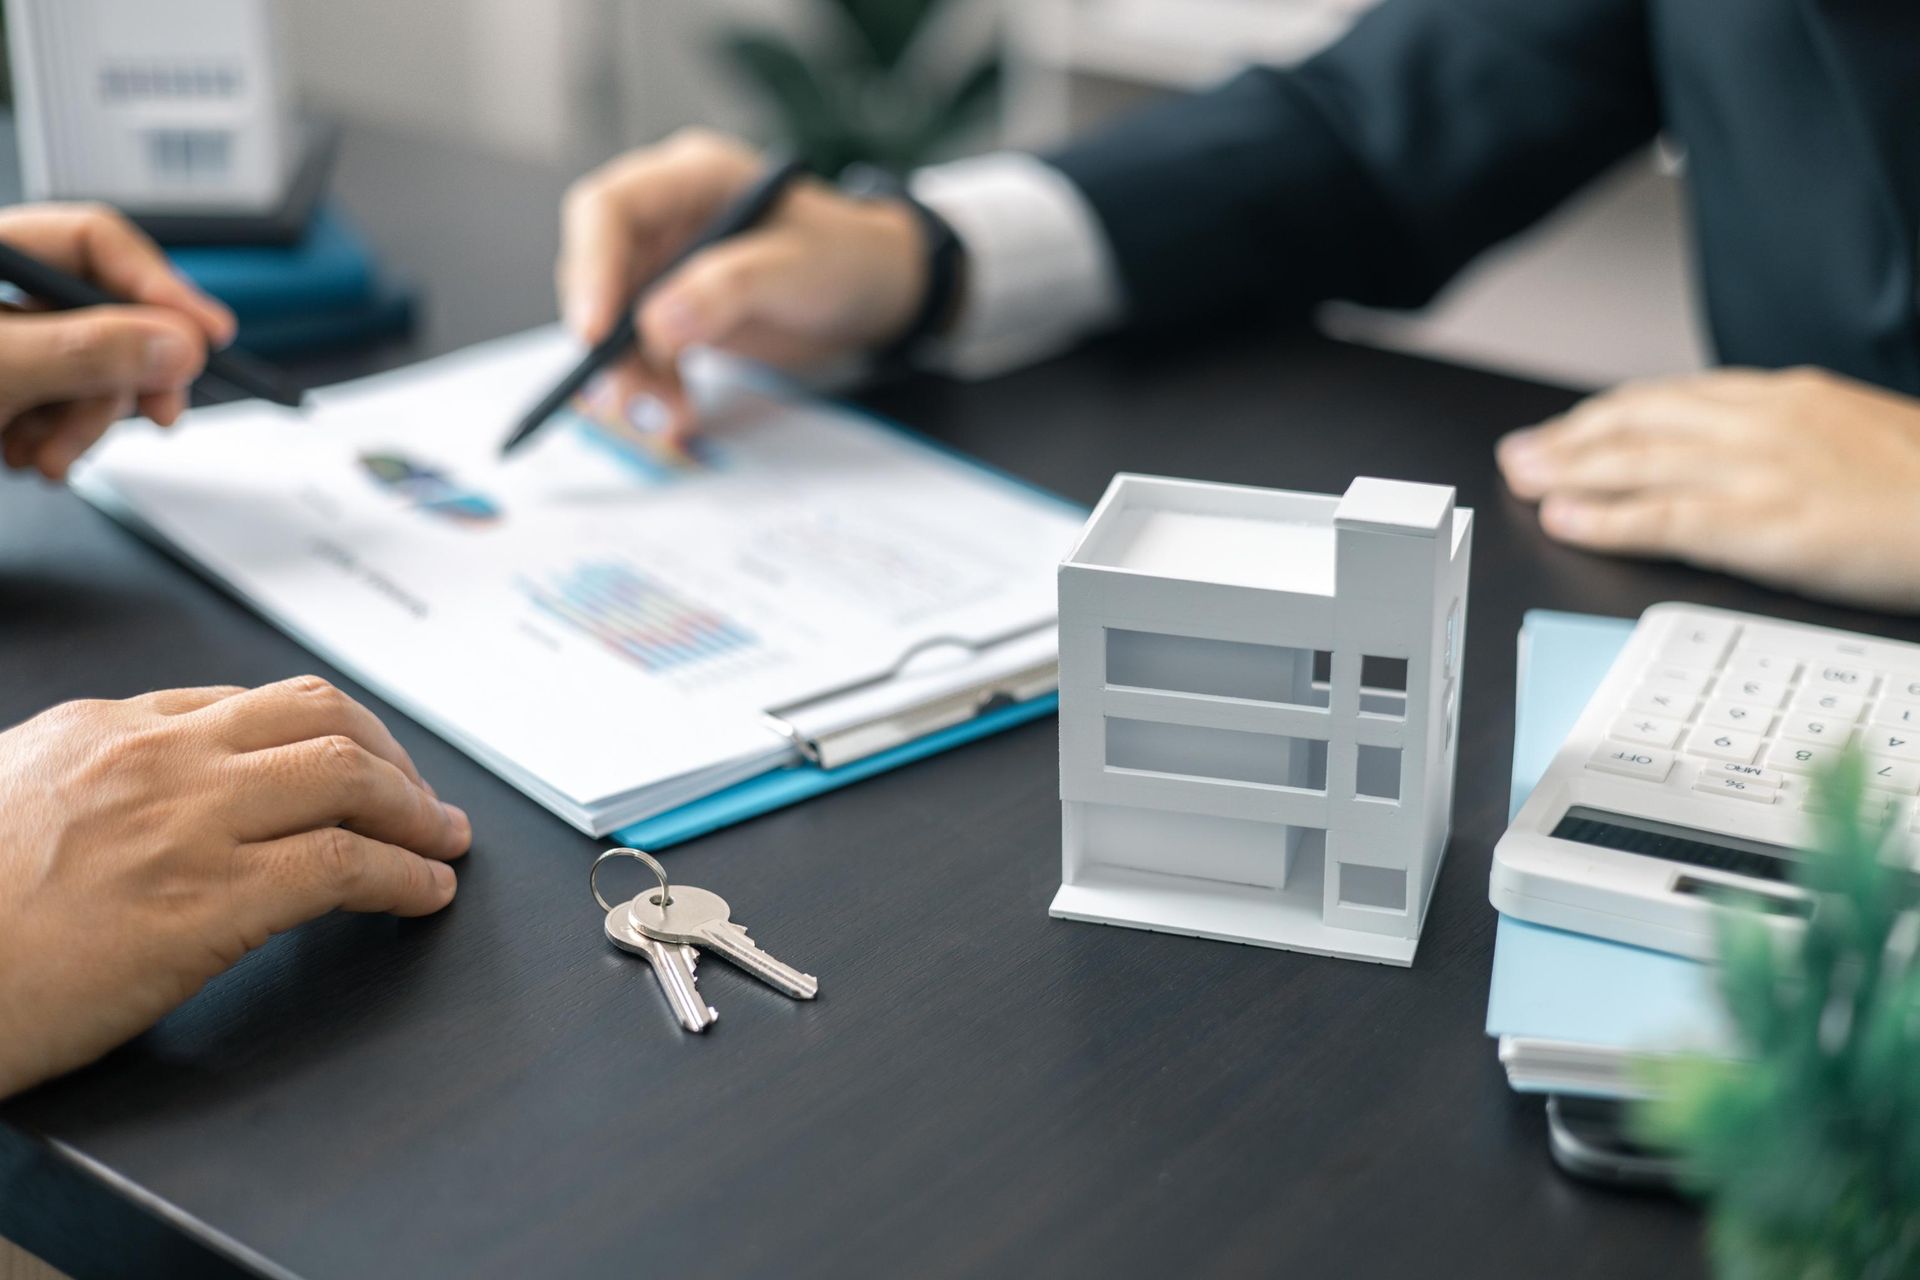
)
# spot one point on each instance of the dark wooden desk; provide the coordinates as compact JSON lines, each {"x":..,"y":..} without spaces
{"x":980,"y":1089}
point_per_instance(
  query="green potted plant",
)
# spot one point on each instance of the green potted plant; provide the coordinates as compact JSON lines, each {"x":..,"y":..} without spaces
{"x":862,"y":92}
{"x":1808,"y":1147}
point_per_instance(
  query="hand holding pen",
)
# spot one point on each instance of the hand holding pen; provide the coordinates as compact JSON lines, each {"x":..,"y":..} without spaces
{"x":823,"y":276}
{"x":139,"y":338}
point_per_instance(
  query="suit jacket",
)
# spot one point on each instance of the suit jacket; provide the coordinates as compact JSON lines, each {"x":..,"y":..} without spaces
{"x":1436,"y":128}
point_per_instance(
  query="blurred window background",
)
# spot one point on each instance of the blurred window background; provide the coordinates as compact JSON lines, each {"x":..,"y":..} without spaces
{"x":1599,"y":293}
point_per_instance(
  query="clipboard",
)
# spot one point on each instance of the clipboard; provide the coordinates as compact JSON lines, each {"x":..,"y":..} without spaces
{"x":781,"y":787}
{"x":840,"y":754}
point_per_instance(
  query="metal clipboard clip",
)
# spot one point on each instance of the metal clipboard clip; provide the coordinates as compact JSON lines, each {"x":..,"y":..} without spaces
{"x":865,"y":717}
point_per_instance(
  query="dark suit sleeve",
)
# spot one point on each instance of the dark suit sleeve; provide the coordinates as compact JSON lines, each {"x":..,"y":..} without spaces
{"x":1374,"y":171}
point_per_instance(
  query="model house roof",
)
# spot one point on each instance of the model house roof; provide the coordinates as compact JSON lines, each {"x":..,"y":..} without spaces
{"x":1232,"y":535}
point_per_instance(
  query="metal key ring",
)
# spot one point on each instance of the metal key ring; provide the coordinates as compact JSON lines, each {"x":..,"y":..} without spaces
{"x":593,"y":877}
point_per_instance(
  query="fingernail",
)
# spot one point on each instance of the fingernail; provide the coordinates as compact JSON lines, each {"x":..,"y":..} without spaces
{"x":678,"y":321}
{"x":1566,"y":518}
{"x":457,"y":816}
{"x":443,"y":877}
{"x":168,"y":355}
{"x":1522,"y":458}
{"x":1520,"y":442}
{"x":647,"y":413}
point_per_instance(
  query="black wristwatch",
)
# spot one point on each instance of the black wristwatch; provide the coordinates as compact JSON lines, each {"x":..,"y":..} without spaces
{"x":944,"y":258}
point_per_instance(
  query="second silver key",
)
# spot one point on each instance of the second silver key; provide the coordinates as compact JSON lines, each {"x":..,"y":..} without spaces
{"x":671,"y":962}
{"x":699,"y":918}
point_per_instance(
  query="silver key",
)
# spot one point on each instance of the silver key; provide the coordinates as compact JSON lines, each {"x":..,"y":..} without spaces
{"x":699,"y":918}
{"x":672,"y":963}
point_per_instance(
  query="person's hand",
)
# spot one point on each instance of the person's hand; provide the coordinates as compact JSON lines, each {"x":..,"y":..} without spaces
{"x":825,"y":276}
{"x":1800,"y":479}
{"x":66,"y":376}
{"x":147,"y":845}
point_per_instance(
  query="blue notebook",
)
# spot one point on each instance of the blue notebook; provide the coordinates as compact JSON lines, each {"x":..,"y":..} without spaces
{"x":331,"y":268}
{"x":1549,"y":984}
{"x":324,"y":292}
{"x":388,"y":314}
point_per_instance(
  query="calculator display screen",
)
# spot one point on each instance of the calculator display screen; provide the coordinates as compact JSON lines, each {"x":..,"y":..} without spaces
{"x":1710,"y":850}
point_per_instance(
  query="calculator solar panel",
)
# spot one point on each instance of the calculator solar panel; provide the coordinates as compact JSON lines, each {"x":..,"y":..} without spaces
{"x":1689,"y":782}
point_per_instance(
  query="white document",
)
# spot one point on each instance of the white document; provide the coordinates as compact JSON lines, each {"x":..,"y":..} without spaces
{"x":599,"y":620}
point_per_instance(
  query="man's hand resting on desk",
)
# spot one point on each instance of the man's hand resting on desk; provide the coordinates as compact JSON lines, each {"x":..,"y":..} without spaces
{"x":147,"y":845}
{"x":1800,"y":479}
{"x":824,"y":277}
{"x":66,"y":376}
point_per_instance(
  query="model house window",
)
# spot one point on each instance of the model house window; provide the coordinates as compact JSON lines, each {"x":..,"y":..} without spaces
{"x":1216,"y":755}
{"x":1376,"y":774}
{"x":1376,"y":888}
{"x":1383,"y":686}
{"x":1217,"y":668}
{"x":188,"y":156}
{"x":141,"y":82}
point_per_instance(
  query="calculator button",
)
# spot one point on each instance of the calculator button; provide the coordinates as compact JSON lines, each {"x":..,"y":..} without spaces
{"x":1896,"y":714}
{"x":1738,"y":715}
{"x":1654,"y":731}
{"x":1901,"y":776}
{"x":1901,"y":744}
{"x":1632,"y":762}
{"x":1655,"y":700}
{"x":1751,"y":772}
{"x":1902,"y":684}
{"x":1800,"y":757}
{"x":1736,"y":788}
{"x":1771,"y":694}
{"x":1831,"y":703}
{"x":1672,"y":675}
{"x":1698,"y":644}
{"x":1834,"y":675}
{"x":1802,"y":727}
{"x":1723,"y":744}
{"x":1768,"y":666}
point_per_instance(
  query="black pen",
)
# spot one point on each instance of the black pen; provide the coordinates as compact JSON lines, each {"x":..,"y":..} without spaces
{"x":63,"y":292}
{"x":742,"y":215}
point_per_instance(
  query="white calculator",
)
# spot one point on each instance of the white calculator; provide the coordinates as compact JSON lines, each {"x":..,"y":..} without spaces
{"x":1686,"y":781}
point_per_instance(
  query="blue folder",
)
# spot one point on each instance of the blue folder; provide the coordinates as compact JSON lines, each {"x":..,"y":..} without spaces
{"x":1549,"y":984}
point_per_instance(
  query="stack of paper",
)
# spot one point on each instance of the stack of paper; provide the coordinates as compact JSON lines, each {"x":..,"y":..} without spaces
{"x":1573,"y":1013}
{"x":604,"y":621}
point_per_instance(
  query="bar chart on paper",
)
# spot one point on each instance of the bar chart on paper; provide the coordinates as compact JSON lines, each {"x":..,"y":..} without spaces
{"x":639,"y":619}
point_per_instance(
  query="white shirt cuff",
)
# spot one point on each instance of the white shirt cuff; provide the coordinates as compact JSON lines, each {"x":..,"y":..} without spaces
{"x":1039,"y":272}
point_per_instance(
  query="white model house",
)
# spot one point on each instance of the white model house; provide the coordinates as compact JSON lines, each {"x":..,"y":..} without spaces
{"x":151,"y":104}
{"x":1259,"y":704}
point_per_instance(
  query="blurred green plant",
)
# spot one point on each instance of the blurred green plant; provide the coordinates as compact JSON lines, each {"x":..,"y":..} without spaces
{"x":1808,"y":1148}
{"x":866,"y":91}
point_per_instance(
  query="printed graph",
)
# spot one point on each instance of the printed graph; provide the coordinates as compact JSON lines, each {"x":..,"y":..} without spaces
{"x":429,"y":489}
{"x":638,"y":618}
